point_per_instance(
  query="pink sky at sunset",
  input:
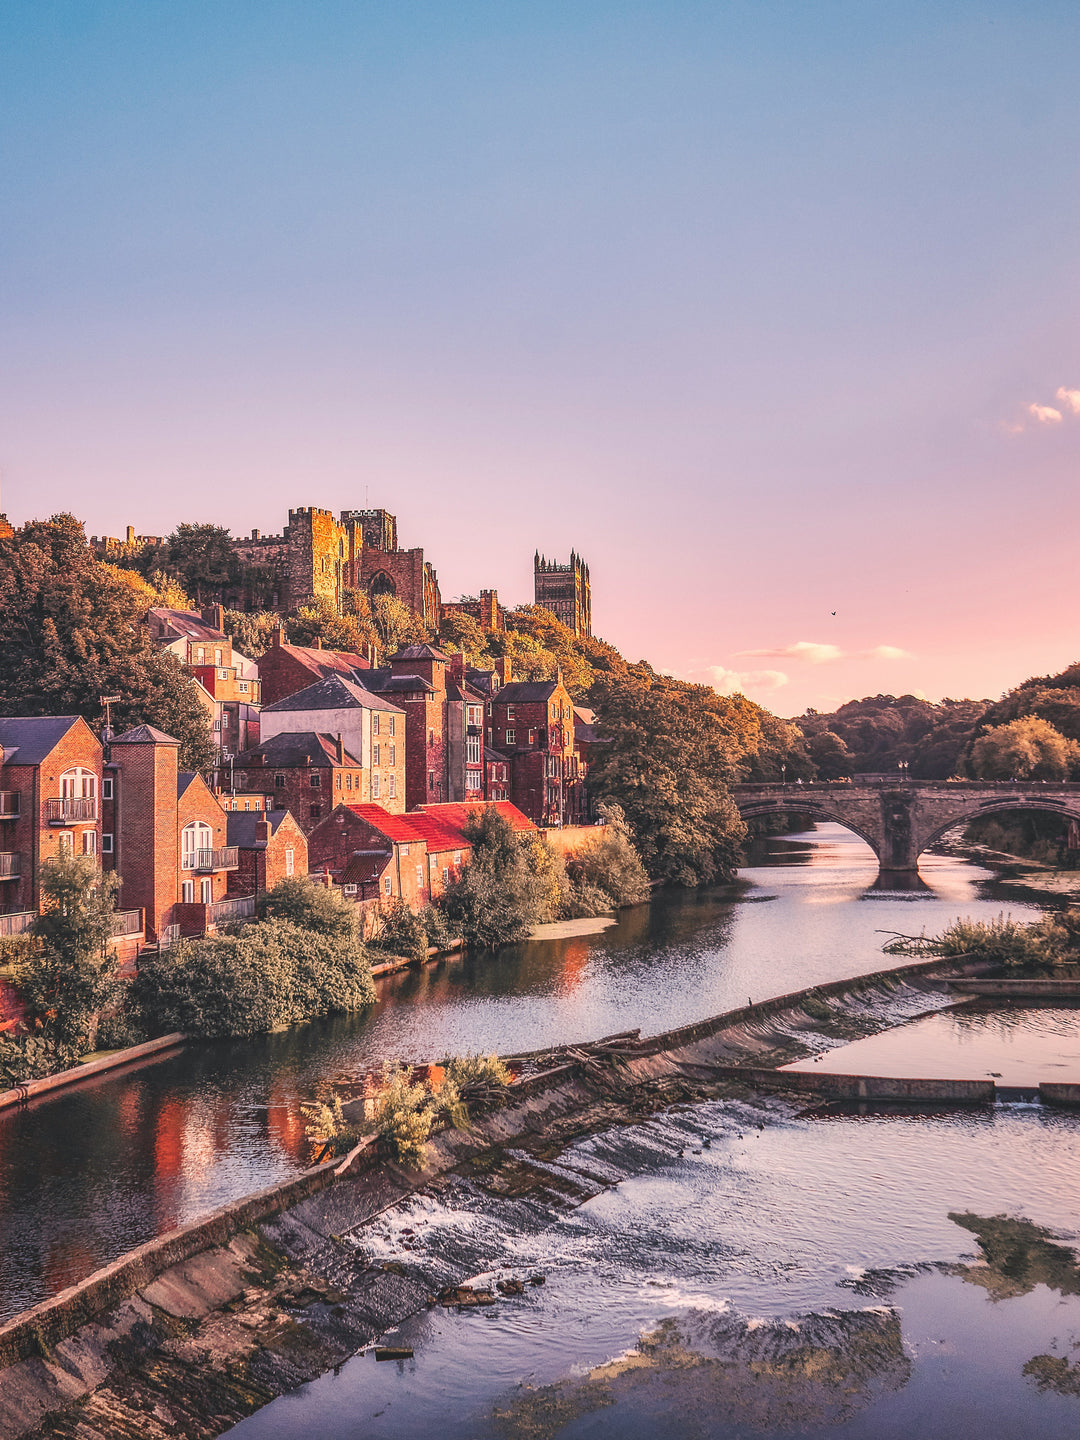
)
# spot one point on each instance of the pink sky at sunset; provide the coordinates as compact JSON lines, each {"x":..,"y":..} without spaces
{"x":770,"y":311}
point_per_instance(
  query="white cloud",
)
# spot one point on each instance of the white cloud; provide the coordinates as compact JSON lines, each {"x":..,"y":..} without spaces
{"x":1045,"y":414}
{"x":1069,"y":398}
{"x":742,"y":682}
{"x":808,"y":650}
{"x":887,"y":652}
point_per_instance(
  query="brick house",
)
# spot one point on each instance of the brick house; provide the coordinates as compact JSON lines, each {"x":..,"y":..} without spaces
{"x":227,"y":682}
{"x":373,"y":732}
{"x":303,"y":771}
{"x":411,"y":857}
{"x":497,"y":777}
{"x":50,"y":800}
{"x":532,"y":724}
{"x":270,"y":846}
{"x":286,"y":669}
{"x":164,"y":832}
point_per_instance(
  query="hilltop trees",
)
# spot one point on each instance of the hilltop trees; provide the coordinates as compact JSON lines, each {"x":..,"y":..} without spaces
{"x":73,"y":630}
{"x":1025,"y":749}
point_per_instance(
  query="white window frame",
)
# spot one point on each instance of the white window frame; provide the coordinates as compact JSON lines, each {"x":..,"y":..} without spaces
{"x":107,"y":788}
{"x":290,"y":861}
{"x":107,"y":843}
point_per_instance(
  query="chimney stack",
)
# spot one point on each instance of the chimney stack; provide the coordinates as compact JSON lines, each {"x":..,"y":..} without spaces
{"x":340,"y":749}
{"x":262,"y":833}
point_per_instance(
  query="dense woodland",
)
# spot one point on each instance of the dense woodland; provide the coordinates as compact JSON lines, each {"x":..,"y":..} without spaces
{"x":75,"y":630}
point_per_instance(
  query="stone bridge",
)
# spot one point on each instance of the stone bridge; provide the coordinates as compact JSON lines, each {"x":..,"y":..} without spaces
{"x":899,"y":818}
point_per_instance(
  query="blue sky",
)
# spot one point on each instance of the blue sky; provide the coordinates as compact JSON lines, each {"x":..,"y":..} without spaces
{"x":748,"y":303}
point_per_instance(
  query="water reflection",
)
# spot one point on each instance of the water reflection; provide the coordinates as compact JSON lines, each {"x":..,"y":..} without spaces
{"x":91,"y":1173}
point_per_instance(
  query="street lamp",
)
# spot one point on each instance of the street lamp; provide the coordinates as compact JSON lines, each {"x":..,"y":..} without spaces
{"x":902,"y":766}
{"x":783,"y":772}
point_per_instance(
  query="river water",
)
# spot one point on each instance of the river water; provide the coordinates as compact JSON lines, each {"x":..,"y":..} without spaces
{"x":91,"y":1173}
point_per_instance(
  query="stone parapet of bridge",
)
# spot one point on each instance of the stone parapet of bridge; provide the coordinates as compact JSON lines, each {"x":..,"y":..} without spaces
{"x":899,"y":818}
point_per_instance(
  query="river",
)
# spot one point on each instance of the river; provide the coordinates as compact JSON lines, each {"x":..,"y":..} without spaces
{"x":91,"y":1173}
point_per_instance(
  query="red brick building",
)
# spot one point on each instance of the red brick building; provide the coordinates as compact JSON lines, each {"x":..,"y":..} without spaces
{"x":50,"y":800}
{"x":164,"y":832}
{"x":270,"y":847}
{"x":286,"y":669}
{"x":372,"y":730}
{"x":532,"y":724}
{"x":228,"y":682}
{"x":304,"y":772}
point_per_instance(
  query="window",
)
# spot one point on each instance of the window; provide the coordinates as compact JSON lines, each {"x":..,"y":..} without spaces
{"x":431,"y":779}
{"x":279,"y":782}
{"x":65,"y":843}
{"x":106,"y":789}
{"x":376,"y":751}
{"x":391,"y":787}
{"x":388,"y":885}
{"x":510,"y":712}
{"x":337,"y":781}
{"x":511,"y":737}
{"x":206,"y":892}
{"x":375,"y":787}
{"x":348,"y":781}
{"x":217,"y":659}
{"x":457,"y":857}
{"x":431,"y":737}
{"x":375,"y":723}
{"x":187,"y":892}
{"x":532,"y":737}
{"x":476,"y":713}
{"x":245,"y":688}
{"x":196,"y":845}
{"x":473,"y":780}
{"x":290,"y":859}
{"x":223,"y":674}
{"x":217,"y":726}
{"x":490,"y":709}
{"x":420,"y":877}
{"x":404,"y":849}
{"x":315,"y":780}
{"x":446,"y":877}
{"x":392,"y":718}
{"x":314,"y":811}
{"x":89,"y":842}
{"x":106,"y":845}
{"x":393,"y":754}
{"x":78,"y":784}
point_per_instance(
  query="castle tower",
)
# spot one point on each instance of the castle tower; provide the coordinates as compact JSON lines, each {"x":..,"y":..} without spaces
{"x":565,"y":591}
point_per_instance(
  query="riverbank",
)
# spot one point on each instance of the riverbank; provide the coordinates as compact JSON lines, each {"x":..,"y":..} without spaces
{"x":1018,"y":874}
{"x":189,"y":1341}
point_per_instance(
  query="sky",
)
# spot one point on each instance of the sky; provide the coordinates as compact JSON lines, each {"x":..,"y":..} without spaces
{"x":769,"y":310}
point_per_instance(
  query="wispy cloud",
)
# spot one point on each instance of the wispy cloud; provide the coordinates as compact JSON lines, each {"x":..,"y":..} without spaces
{"x":1045,"y":414}
{"x":744,"y":682}
{"x":809,"y":650}
{"x":1069,"y":398}
{"x":886,"y":652}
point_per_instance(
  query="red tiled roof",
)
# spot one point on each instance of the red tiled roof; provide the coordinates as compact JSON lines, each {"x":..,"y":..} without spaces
{"x":398,"y":828}
{"x":452,"y":815}
{"x":325,"y":662}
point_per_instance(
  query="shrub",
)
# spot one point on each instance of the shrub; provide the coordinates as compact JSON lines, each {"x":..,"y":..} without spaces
{"x":610,"y":863}
{"x":325,"y":1124}
{"x":585,"y":901}
{"x":302,"y":902}
{"x":405,"y":1115}
{"x":402,"y":932}
{"x":513,"y":882}
{"x":468,"y":1069}
{"x":28,"y":1057}
{"x":270,"y":975}
{"x":1013,"y":944}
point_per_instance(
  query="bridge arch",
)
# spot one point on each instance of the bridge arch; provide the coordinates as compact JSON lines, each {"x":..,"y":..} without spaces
{"x":1008,"y":804}
{"x":813,"y":809}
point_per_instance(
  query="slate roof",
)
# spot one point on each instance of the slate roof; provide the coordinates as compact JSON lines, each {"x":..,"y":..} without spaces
{"x":365,"y":867}
{"x":420,"y":652}
{"x":384,"y":681}
{"x":144,"y":735}
{"x":323,"y":663}
{"x":334,"y":693}
{"x":295,"y":747}
{"x":27,"y":740}
{"x":184,"y":625}
{"x":495,"y":757}
{"x":240,"y":825}
{"x":183,"y":780}
{"x":525,"y":692}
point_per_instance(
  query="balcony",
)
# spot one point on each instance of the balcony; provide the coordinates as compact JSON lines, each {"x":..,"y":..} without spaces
{"x":9,"y":805}
{"x":202,"y":861}
{"x":10,"y":864}
{"x":233,"y":909}
{"x":127,"y":922}
{"x":71,"y":809}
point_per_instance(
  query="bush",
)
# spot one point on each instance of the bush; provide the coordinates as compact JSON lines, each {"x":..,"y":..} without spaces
{"x":326,"y":1125}
{"x":402,"y":932}
{"x":405,"y":1115}
{"x":272,"y":974}
{"x":468,"y":1069}
{"x":29,"y":1057}
{"x":302,"y":902}
{"x":513,"y":882}
{"x":609,"y":863}
{"x":1041,"y":945}
{"x":585,"y":902}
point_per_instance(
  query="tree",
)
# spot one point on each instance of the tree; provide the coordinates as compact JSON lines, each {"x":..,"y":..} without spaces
{"x":609,"y":862}
{"x":251,"y":634}
{"x":396,"y":625}
{"x":512,"y":882}
{"x":318,"y":619}
{"x":73,"y":631}
{"x":1025,"y":749}
{"x":71,"y":973}
{"x":202,"y":559}
{"x":459,"y":631}
{"x":830,"y":755}
{"x":302,"y":902}
{"x":671,"y":749}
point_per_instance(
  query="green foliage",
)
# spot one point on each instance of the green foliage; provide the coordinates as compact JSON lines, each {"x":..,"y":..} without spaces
{"x":1028,"y":748}
{"x":513,"y":882}
{"x":251,"y":634}
{"x":396,"y":625}
{"x":460,"y":632}
{"x":202,"y":559}
{"x":405,"y":1115}
{"x":830,"y":755}
{"x":29,"y":1057}
{"x":318,"y":619}
{"x":1012,"y":944}
{"x":270,"y":975}
{"x":70,"y":974}
{"x":303,"y":902}
{"x":608,"y":865}
{"x":672,"y":748}
{"x":73,"y":630}
{"x":881,"y":730}
{"x":402,"y":931}
{"x":470,"y":1070}
{"x":325,"y":1124}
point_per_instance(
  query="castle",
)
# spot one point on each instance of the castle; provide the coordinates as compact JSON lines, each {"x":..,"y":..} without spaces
{"x":322,"y":556}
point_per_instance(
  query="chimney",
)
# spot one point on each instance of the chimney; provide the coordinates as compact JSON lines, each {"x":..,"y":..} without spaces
{"x":340,"y":749}
{"x":262,"y":834}
{"x":457,"y":666}
{"x":503,"y":668}
{"x":279,"y":635}
{"x":318,"y":642}
{"x":214,"y":616}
